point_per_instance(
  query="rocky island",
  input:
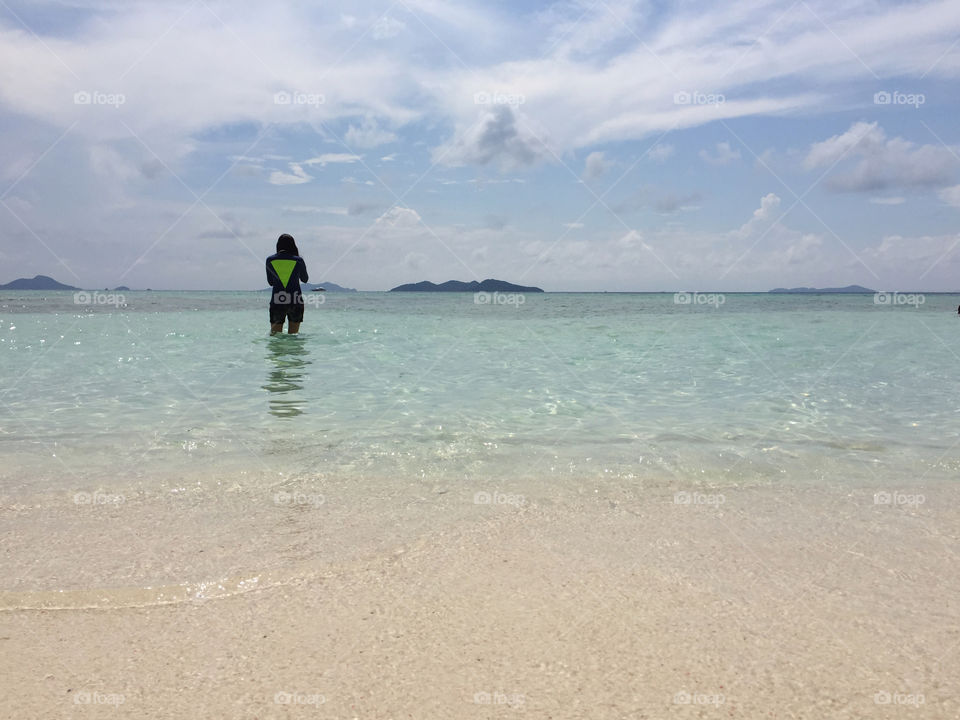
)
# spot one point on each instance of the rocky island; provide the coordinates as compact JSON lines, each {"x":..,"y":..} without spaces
{"x":489,"y":285}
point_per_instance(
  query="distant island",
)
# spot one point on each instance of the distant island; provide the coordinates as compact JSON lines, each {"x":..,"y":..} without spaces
{"x":808,"y":290}
{"x":329,"y":287}
{"x":460,"y":286}
{"x":44,"y":282}
{"x":38,"y":282}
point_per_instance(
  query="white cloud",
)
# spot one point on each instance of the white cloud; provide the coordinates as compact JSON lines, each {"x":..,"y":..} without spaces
{"x":762,"y":253}
{"x":606,"y":81}
{"x":803,"y":250}
{"x":335,"y":158}
{"x":911,"y":262}
{"x":951,"y":195}
{"x":399,"y":217}
{"x":296,"y":176}
{"x":596,"y":165}
{"x":765,"y":159}
{"x":632,"y":239}
{"x":769,"y":206}
{"x":888,"y":200}
{"x":723,"y":155}
{"x":868,"y":135}
{"x":108,"y":162}
{"x":660,"y":152}
{"x":588,"y":76}
{"x":387,"y":27}
{"x":498,"y":137}
{"x":415,"y":260}
{"x":368,"y":134}
{"x":880,"y":162}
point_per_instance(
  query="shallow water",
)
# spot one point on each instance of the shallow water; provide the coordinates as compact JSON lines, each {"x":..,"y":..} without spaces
{"x":170,"y":451}
{"x":429,"y":387}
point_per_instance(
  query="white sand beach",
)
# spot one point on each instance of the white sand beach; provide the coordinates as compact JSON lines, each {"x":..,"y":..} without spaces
{"x":767,"y":602}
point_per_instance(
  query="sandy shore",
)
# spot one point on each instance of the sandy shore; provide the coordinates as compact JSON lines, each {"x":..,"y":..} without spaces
{"x":811,"y":603}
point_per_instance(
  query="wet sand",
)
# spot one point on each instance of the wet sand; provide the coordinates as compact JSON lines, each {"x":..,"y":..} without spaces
{"x":803,"y":603}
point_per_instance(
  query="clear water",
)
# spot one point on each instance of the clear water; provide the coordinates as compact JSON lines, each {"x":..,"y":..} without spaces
{"x":435,"y":388}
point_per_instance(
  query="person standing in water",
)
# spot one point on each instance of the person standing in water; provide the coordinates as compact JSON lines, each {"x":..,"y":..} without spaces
{"x":285,"y":270}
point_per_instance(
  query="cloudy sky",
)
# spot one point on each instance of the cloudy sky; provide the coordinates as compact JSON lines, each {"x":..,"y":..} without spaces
{"x":578,"y":145}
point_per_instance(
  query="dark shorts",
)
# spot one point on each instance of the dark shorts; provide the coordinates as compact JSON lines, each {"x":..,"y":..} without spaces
{"x":290,"y":311}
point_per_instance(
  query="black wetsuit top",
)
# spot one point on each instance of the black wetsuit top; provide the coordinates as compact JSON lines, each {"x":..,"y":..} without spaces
{"x":284,"y":273}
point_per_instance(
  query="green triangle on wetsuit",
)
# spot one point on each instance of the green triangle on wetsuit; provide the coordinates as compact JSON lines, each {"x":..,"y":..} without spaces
{"x":283,"y":269}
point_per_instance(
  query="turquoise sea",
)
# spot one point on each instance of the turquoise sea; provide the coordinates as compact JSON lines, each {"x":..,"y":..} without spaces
{"x":410,"y":388}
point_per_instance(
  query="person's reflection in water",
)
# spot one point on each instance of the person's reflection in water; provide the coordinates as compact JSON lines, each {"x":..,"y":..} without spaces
{"x":289,"y":357}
